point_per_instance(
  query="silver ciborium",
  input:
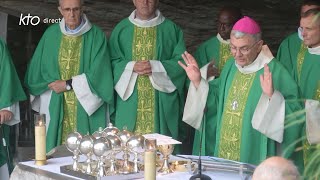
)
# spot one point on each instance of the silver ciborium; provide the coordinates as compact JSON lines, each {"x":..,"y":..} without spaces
{"x":101,"y":149}
{"x":165,"y":150}
{"x":136,"y":145}
{"x":85,"y":148}
{"x":100,"y":133}
{"x":72,"y":144}
{"x":124,"y":136}
{"x":111,"y":130}
{"x":116,"y":148}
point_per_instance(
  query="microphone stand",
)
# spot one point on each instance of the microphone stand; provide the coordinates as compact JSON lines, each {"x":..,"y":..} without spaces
{"x":200,"y":175}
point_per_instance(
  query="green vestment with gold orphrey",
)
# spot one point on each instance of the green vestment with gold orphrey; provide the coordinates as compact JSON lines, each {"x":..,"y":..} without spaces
{"x":236,"y":97}
{"x":87,"y":54}
{"x":162,"y":113}
{"x":304,"y":68}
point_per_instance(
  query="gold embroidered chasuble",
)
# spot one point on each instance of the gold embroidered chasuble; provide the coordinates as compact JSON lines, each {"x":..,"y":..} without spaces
{"x":69,"y":62}
{"x":231,"y":123}
{"x":144,"y":48}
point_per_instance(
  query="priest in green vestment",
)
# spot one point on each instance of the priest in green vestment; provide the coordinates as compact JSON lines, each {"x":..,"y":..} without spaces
{"x":291,"y":54}
{"x":70,"y":77}
{"x":293,"y":44}
{"x":254,"y":94}
{"x":11,"y":93}
{"x":212,"y":56}
{"x":305,"y":70}
{"x":145,"y":49}
{"x":215,"y":51}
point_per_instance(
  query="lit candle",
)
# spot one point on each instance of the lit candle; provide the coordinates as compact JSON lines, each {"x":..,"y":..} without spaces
{"x":40,"y":139}
{"x":150,"y":159}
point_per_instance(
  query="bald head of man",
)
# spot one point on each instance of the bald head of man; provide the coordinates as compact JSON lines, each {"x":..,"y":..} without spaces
{"x":276,"y":168}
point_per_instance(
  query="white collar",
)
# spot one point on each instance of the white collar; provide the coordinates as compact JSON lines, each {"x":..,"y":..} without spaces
{"x":265,"y":56}
{"x":85,"y":27}
{"x":222,"y":40}
{"x":300,"y":34}
{"x":315,"y":50}
{"x":146,"y":23}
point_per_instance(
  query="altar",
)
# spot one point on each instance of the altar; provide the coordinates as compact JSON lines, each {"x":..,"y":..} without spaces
{"x":122,"y":155}
{"x":51,"y":171}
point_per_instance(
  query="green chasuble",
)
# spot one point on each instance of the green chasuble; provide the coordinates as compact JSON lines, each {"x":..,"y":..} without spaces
{"x":304,"y":68}
{"x":10,"y":92}
{"x":237,"y":96}
{"x":147,"y":109}
{"x":309,"y":84}
{"x":288,"y":52}
{"x":306,"y":73}
{"x":50,"y":62}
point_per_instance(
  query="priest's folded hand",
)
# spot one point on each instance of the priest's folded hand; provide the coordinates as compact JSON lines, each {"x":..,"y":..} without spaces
{"x":142,"y":68}
{"x":212,"y":70}
{"x":58,"y":86}
{"x":5,"y":115}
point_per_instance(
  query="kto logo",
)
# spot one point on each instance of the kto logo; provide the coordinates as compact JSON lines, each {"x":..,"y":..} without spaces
{"x":26,"y":20}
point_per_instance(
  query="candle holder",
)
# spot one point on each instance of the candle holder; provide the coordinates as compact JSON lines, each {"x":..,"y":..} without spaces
{"x":40,"y":139}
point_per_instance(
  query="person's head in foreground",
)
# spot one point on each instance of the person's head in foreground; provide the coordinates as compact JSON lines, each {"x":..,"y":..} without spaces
{"x":276,"y":168}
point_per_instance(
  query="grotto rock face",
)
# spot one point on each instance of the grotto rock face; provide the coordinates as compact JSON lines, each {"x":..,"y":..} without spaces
{"x":197,"y":18}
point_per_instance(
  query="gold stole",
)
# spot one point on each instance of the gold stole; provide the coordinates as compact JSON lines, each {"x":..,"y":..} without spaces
{"x":231,"y":121}
{"x":300,"y":60}
{"x":144,"y":48}
{"x":69,"y":62}
{"x":225,"y":54}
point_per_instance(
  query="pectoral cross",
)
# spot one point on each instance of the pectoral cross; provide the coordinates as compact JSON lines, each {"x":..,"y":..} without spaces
{"x":234,"y":105}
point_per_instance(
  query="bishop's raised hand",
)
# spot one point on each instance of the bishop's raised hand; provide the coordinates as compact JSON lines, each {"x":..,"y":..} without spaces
{"x":266,"y":81}
{"x":191,"y":68}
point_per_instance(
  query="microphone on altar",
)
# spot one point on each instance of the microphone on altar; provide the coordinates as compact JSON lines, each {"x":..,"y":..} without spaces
{"x":199,"y":175}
